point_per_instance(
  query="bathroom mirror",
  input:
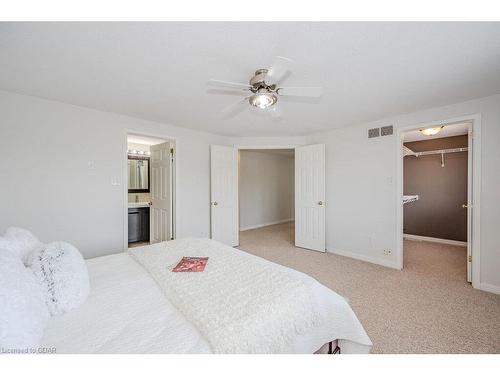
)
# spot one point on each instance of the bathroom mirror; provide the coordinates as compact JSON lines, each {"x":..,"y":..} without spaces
{"x":138,"y":174}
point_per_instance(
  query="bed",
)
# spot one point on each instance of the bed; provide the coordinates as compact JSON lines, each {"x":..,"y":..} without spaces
{"x":240,"y":304}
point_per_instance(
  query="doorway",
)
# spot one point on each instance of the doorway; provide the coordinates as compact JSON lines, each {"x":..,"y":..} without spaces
{"x":150,"y":189}
{"x":266,"y":194}
{"x":309,"y":194}
{"x":438,"y":186}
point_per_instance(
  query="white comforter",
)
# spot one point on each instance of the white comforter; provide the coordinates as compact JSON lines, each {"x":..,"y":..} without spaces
{"x":128,"y":312}
{"x":242,"y":303}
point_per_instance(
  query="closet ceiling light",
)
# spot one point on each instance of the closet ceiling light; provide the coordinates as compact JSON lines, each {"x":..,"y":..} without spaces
{"x":431,"y":131}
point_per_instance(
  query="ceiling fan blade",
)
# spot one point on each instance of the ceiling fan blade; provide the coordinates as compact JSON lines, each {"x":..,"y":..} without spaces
{"x":234,"y":108}
{"x":281,"y":66}
{"x":311,"y":92}
{"x":221,"y":91}
{"x":227,"y":84}
{"x":273,"y":112}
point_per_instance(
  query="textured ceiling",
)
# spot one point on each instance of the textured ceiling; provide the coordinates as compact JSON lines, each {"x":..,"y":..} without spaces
{"x":158,"y":71}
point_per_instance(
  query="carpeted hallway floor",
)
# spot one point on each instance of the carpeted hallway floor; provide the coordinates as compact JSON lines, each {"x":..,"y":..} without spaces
{"x":428,"y":307}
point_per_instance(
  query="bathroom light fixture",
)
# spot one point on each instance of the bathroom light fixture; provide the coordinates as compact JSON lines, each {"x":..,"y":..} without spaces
{"x":263,"y":99}
{"x":431,"y":131}
{"x":139,"y":153}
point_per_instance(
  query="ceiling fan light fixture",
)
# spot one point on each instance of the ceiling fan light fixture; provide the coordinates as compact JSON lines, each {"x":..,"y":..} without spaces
{"x":431,"y":131}
{"x":263,"y":99}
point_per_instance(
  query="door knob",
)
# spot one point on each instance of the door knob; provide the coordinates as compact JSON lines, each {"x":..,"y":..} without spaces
{"x":465,"y":205}
{"x":320,"y":203}
{"x":215,"y":203}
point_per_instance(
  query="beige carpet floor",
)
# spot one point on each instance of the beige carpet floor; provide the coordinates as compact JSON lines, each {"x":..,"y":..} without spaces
{"x":428,"y":307}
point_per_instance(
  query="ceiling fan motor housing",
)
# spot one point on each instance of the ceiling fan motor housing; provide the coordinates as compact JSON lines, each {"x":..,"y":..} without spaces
{"x":258,"y":81}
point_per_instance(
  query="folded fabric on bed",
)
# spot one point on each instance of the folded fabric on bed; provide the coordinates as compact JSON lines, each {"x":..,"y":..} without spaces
{"x":240,"y":303}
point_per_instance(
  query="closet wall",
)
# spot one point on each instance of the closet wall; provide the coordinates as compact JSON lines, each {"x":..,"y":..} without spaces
{"x":442,"y":190}
{"x":266,"y":187}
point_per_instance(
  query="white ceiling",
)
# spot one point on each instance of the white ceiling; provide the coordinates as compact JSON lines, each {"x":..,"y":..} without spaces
{"x":447,"y":131}
{"x":158,"y":71}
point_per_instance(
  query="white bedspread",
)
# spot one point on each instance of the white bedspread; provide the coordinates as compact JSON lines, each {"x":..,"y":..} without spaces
{"x":245,"y":304}
{"x":126,"y":312}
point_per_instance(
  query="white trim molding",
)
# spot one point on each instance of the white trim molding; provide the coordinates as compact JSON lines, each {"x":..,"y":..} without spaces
{"x":266,"y":224}
{"x":490,"y":288}
{"x":365,"y":258}
{"x":414,"y":237}
{"x":265,"y":147}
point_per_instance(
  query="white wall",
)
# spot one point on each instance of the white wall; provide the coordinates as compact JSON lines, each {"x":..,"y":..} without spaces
{"x":266,"y":188}
{"x":361,"y":187}
{"x":48,"y":186}
{"x":268,"y":141}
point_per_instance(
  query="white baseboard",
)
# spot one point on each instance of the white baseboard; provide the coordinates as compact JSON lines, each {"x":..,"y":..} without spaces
{"x":266,"y":224}
{"x":381,"y":262}
{"x":414,"y":237}
{"x":490,"y":288}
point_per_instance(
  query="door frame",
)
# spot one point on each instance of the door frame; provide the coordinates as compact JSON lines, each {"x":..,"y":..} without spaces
{"x":474,"y":180}
{"x":175,"y":186}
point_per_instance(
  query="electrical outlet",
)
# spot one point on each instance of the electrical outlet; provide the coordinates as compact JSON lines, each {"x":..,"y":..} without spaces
{"x":387,"y":252}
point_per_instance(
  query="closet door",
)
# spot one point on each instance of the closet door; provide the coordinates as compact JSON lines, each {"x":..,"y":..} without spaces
{"x":310,"y":197}
{"x":469,"y":206}
{"x":224,"y":194}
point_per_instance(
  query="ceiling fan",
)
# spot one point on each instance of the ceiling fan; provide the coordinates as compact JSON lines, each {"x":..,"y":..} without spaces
{"x":263,"y":90}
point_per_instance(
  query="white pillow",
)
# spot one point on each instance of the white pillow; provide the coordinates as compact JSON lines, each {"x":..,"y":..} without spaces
{"x":20,"y":242}
{"x":23,"y":312}
{"x":62,"y":272}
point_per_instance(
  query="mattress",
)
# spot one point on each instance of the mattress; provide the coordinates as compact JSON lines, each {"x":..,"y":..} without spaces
{"x":127,"y":312}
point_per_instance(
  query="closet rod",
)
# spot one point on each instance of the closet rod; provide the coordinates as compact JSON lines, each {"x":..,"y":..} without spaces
{"x":440,"y":152}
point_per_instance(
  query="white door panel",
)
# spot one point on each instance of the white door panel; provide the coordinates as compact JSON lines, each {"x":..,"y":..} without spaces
{"x":159,"y":223}
{"x":310,"y":197}
{"x":224,"y":194}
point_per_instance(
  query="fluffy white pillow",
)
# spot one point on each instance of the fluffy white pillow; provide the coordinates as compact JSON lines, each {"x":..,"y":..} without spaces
{"x":20,"y":242}
{"x":62,"y":272}
{"x":23,"y":312}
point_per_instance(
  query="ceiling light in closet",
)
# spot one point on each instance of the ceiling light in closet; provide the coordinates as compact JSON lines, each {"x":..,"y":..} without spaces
{"x":431,"y":131}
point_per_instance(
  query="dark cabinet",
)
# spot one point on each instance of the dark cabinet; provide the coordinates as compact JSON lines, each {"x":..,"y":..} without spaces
{"x":138,"y":224}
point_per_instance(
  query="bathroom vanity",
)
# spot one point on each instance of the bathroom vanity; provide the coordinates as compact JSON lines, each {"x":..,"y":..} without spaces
{"x":138,"y":222}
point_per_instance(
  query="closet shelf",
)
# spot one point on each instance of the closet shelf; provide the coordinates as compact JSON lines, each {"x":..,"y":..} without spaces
{"x":409,"y":198}
{"x":408,"y":152}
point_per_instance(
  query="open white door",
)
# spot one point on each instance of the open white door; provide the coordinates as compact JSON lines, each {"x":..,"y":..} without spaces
{"x":310,"y":197}
{"x":224,"y":194}
{"x":161,"y":200}
{"x":469,"y":205}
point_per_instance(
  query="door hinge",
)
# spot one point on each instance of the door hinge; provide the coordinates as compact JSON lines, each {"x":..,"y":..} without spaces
{"x":470,"y":258}
{"x":172,"y":151}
